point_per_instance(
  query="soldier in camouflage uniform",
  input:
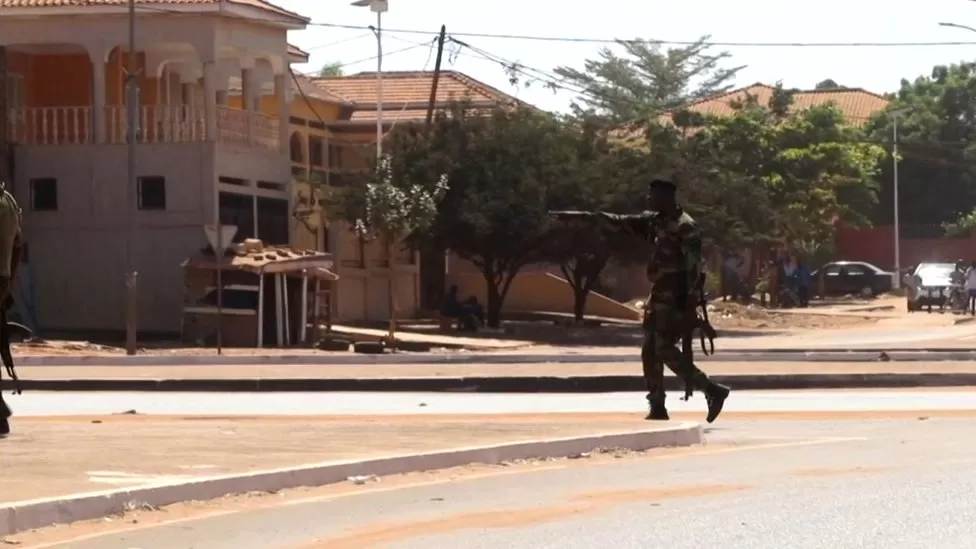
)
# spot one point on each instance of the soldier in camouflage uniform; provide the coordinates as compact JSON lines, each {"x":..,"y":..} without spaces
{"x":673,"y":269}
{"x":10,"y":222}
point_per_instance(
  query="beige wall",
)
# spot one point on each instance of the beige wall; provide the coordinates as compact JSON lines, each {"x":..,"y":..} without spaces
{"x":78,"y":253}
{"x":537,"y":288}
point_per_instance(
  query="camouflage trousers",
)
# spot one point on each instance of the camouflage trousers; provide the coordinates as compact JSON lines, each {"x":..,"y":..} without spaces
{"x":663,"y":326}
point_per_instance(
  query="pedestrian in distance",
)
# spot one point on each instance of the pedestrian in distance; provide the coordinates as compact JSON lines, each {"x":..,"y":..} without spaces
{"x":971,"y":289}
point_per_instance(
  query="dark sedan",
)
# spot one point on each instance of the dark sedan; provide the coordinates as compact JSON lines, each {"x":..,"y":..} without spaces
{"x":854,"y":278}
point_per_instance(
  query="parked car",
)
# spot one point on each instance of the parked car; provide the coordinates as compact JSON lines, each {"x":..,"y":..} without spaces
{"x":854,"y":278}
{"x":934,"y":285}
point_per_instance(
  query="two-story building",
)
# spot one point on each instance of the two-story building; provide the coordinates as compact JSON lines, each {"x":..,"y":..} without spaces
{"x":198,"y":155}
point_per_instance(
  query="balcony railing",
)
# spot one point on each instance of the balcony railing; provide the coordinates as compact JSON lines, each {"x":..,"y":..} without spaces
{"x":253,"y":129}
{"x":157,"y":124}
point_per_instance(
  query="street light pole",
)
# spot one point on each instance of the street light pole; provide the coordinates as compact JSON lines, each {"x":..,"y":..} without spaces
{"x":378,"y":7}
{"x":894,"y":160}
{"x":132,"y":133}
{"x":894,"y":116}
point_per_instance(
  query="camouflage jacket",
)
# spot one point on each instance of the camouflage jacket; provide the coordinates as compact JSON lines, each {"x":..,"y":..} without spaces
{"x":675,"y":264}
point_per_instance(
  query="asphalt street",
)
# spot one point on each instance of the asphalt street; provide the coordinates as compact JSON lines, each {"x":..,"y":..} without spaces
{"x":756,"y":485}
{"x":65,"y":403}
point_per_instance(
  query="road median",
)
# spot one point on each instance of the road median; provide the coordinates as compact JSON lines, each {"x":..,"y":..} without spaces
{"x":519,"y":378}
{"x":201,"y":459}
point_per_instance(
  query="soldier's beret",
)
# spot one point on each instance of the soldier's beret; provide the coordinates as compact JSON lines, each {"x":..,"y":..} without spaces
{"x":661,"y":185}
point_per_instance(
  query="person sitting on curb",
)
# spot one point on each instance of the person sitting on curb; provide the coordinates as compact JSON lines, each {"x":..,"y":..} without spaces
{"x":469,"y":314}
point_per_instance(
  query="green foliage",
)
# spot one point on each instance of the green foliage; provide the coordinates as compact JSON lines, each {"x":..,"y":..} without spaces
{"x":936,"y":117}
{"x":331,"y":70}
{"x":964,"y":226}
{"x":504,"y":167}
{"x":768,"y":176}
{"x":647,"y":79}
{"x":388,"y":206}
{"x":604,"y":177}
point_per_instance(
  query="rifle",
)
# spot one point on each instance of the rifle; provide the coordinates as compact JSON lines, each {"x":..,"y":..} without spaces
{"x":644,"y":224}
{"x":698,"y":318}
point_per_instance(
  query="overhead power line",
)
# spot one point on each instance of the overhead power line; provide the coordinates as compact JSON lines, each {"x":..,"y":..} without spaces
{"x":610,"y":41}
{"x":585,"y":40}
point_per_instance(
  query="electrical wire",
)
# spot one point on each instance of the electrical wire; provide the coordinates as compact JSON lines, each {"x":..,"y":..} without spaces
{"x":337,"y":42}
{"x":609,"y":41}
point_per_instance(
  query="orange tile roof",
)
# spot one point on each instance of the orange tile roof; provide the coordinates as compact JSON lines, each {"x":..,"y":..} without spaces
{"x":259,"y":4}
{"x":406,"y":93}
{"x":313,"y":91}
{"x":295,"y":51}
{"x":858,"y":105}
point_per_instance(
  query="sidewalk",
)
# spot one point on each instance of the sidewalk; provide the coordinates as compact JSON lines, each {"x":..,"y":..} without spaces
{"x":402,"y":371}
{"x":59,"y":470}
{"x":546,"y":377}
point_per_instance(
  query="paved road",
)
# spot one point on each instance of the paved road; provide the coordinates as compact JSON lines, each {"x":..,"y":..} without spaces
{"x":757,"y":485}
{"x":874,"y":337}
{"x":56,"y":404}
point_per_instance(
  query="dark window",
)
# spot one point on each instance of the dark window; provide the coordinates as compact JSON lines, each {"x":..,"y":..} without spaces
{"x":335,"y":157}
{"x":152,"y":193}
{"x":316,"y":151}
{"x":237,"y":209}
{"x":44,"y":194}
{"x":273,"y":220}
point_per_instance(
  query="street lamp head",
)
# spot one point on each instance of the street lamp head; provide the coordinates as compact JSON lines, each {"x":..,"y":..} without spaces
{"x":899,"y":112}
{"x":957,"y":26}
{"x":376,"y":6}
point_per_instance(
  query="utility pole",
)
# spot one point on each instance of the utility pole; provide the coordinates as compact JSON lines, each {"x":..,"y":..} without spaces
{"x":433,"y":261}
{"x":132,"y":134}
{"x":436,"y":78}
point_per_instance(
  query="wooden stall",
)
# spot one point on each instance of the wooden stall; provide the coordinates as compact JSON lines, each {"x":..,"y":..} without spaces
{"x":267,"y":293}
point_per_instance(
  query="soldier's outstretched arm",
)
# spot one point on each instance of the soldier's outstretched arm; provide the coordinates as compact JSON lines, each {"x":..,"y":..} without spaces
{"x":635,"y":223}
{"x":639,"y":224}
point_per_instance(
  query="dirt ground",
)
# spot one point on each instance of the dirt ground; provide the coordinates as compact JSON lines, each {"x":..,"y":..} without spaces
{"x":377,"y":371}
{"x":549,"y":329}
{"x":101,"y":453}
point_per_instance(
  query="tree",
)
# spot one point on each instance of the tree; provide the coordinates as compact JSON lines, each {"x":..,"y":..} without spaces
{"x":603,"y":178}
{"x":647,"y":80}
{"x":768,"y":176}
{"x":786,"y":177}
{"x":503,"y":166}
{"x":331,"y":70}
{"x":828,"y":84}
{"x":936,"y":171}
{"x":392,"y":207}
{"x":964,"y":226}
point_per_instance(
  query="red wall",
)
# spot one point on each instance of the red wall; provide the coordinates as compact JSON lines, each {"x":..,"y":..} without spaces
{"x":875,"y":245}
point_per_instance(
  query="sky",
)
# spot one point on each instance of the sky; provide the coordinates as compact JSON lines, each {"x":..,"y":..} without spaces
{"x":877,"y":69}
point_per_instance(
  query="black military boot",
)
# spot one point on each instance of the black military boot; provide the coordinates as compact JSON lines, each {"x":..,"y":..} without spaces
{"x":4,"y":423}
{"x":658,"y":412}
{"x":715,"y":395}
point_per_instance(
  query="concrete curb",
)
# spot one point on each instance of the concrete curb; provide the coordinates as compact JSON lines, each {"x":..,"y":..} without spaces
{"x":521,"y":384}
{"x":27,"y":515}
{"x":733,"y":355}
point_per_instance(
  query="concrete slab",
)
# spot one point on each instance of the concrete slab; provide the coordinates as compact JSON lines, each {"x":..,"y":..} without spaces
{"x":99,"y":466}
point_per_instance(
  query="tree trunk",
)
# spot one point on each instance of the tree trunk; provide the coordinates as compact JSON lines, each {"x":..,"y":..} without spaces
{"x":579,"y":302}
{"x":493,"y":309}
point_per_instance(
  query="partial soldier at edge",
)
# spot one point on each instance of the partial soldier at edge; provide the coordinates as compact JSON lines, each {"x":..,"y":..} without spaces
{"x":10,"y":226}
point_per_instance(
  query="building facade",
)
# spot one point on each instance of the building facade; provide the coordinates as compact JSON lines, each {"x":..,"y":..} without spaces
{"x":198,"y":156}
